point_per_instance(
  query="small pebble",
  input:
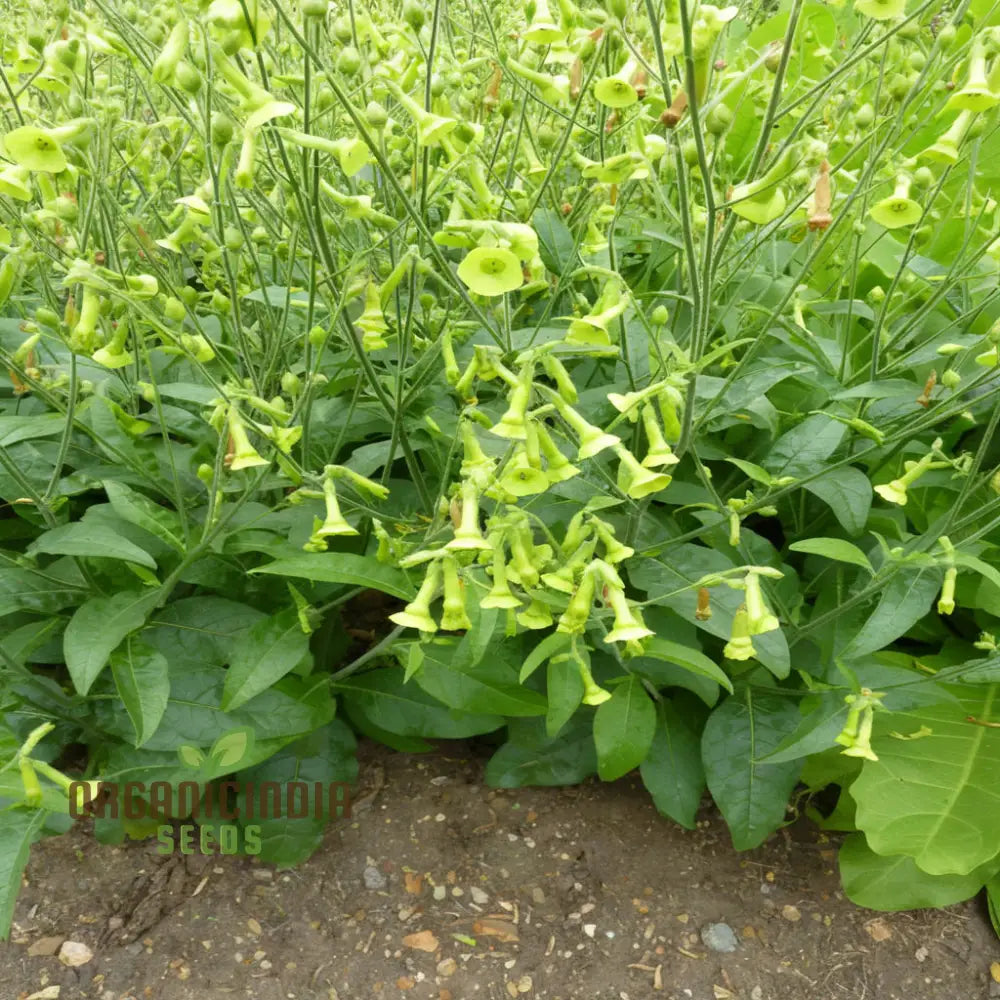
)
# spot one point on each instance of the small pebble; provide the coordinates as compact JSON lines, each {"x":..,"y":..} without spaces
{"x":374,"y":879}
{"x":719,"y":937}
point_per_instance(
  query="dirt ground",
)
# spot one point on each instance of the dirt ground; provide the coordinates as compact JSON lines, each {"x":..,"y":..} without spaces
{"x":477,"y":893}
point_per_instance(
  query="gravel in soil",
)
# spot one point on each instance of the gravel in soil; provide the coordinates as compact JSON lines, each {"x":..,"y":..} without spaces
{"x":440,"y":888}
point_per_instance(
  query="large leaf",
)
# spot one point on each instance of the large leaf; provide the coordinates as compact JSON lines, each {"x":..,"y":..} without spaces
{"x":343,"y":567}
{"x":896,"y":883}
{"x":672,"y":771}
{"x":752,"y":796}
{"x":96,"y":629}
{"x":623,"y":729}
{"x":564,"y":688}
{"x":19,"y":829}
{"x":935,"y":799}
{"x":381,"y":697}
{"x":267,"y":651}
{"x":141,"y":511}
{"x":142,"y":679}
{"x":200,"y":629}
{"x":555,"y":241}
{"x":833,"y":548}
{"x":848,"y":493}
{"x":325,"y":757}
{"x":686,"y":657}
{"x":92,"y":540}
{"x":529,"y":757}
{"x":905,"y":599}
{"x":805,"y":448}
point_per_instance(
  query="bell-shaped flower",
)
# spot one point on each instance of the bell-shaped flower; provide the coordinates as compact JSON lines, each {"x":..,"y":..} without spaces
{"x":556,"y":371}
{"x":760,"y":618}
{"x":491,"y":271}
{"x":881,"y":10}
{"x":500,"y":595}
{"x":476,"y":466}
{"x":241,"y":454}
{"x":895,"y":491}
{"x":629,"y":166}
{"x":592,"y":440}
{"x":526,"y":559}
{"x":946,"y":602}
{"x":468,"y":534}
{"x":113,"y":353}
{"x":762,"y":201}
{"x":593,"y":693}
{"x":352,"y":153}
{"x":946,"y":149}
{"x":372,"y":322}
{"x":857,"y":732}
{"x":574,"y":619}
{"x":172,"y":53}
{"x":283,"y":438}
{"x":454,"y":617}
{"x":35,"y":149}
{"x":659,"y":453}
{"x":558,"y":468}
{"x":899,"y":209}
{"x":592,"y":329}
{"x":740,"y":645}
{"x":522,"y":479}
{"x":513,"y":424}
{"x":14,"y":183}
{"x":554,"y":87}
{"x":535,"y":616}
{"x":417,"y":614}
{"x":432,"y":129}
{"x":634,"y":479}
{"x":615,"y":551}
{"x":543,"y":29}
{"x":83,"y":337}
{"x":976,"y":94}
{"x":617,"y":91}
{"x":333,"y":524}
{"x":628,"y":626}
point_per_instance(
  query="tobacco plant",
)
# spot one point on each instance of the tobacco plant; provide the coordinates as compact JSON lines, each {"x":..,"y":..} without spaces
{"x":642,"y":356}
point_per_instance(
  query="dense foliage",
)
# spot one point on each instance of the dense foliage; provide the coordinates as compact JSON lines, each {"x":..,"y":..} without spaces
{"x":643,"y":357}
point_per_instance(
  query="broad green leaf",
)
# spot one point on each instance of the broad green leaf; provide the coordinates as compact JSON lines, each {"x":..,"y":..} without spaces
{"x":896,"y":883}
{"x":564,"y":688}
{"x":325,"y":757}
{"x":815,"y":733}
{"x":96,"y":629}
{"x":848,"y":493}
{"x":686,"y":657}
{"x":343,"y":567}
{"x":200,"y":630}
{"x":140,"y":510}
{"x":19,"y":829}
{"x":26,"y":590}
{"x":267,"y":651}
{"x":142,"y":680}
{"x":805,"y":448}
{"x":30,"y":428}
{"x":833,"y":548}
{"x":530,"y":758}
{"x":623,"y":729}
{"x":555,"y":241}
{"x":552,"y":643}
{"x":906,"y":598}
{"x":984,"y":569}
{"x":95,"y":541}
{"x":672,"y":771}
{"x":381,"y":697}
{"x":484,"y":689}
{"x":754,"y":472}
{"x":751,"y":796}
{"x":478,"y":639}
{"x":935,"y":799}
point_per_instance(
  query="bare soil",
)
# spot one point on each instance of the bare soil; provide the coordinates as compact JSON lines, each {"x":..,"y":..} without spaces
{"x":583,"y":892}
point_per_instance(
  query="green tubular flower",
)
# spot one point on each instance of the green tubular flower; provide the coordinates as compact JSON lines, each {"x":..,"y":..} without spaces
{"x":946,"y":149}
{"x":564,"y":579}
{"x":593,"y":693}
{"x":334,"y":523}
{"x":244,"y":455}
{"x":243,"y":176}
{"x":760,"y":618}
{"x":491,"y":271}
{"x":556,"y":371}
{"x":454,"y":617}
{"x":895,"y":491}
{"x":526,"y":561}
{"x":634,"y":479}
{"x":35,"y":149}
{"x":628,"y":626}
{"x":617,"y":91}
{"x":463,"y":387}
{"x":554,"y":87}
{"x":977,"y":94}
{"x":543,"y":29}
{"x":432,"y":129}
{"x":614,"y":550}
{"x":113,"y":353}
{"x":522,"y":479}
{"x":946,"y":602}
{"x":861,"y":745}
{"x":500,"y":595}
{"x":881,"y":10}
{"x":592,"y":440}
{"x":740,"y":645}
{"x":476,"y":464}
{"x":513,"y":424}
{"x":899,"y":209}
{"x":574,"y":619}
{"x":628,"y":166}
{"x":762,"y":201}
{"x":669,"y":401}
{"x":283,"y":438}
{"x":468,"y":534}
{"x":660,"y":453}
{"x":535,"y":616}
{"x":84,"y":333}
{"x":417,"y":614}
{"x":451,"y":370}
{"x":14,"y":183}
{"x":558,"y":467}
{"x":386,"y":551}
{"x":166,"y":63}
{"x":372,"y":322}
